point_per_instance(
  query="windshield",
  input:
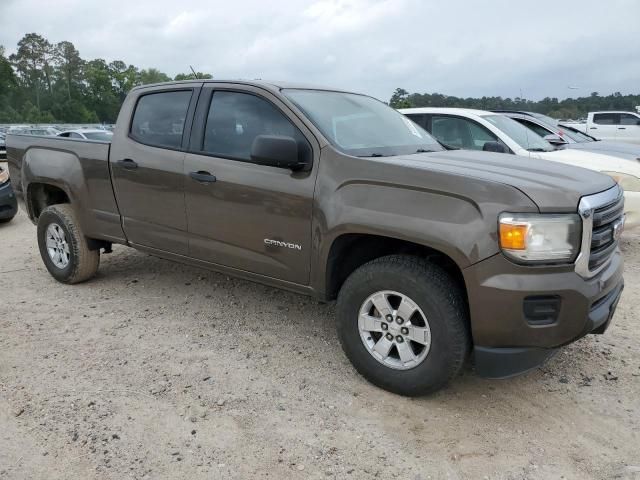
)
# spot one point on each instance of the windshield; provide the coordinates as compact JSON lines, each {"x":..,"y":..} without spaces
{"x":361,"y":126}
{"x":103,"y":136}
{"x":575,"y":135}
{"x":520,"y":134}
{"x":545,"y":118}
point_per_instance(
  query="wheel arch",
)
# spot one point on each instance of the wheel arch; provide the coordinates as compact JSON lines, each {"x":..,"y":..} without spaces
{"x":349,"y":251}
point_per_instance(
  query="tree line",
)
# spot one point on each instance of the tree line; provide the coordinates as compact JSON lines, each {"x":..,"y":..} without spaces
{"x":46,"y":82}
{"x":569,"y":108}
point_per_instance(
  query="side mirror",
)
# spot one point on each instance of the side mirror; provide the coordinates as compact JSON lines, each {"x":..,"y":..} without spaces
{"x":494,"y":147}
{"x":276,"y":151}
{"x":554,"y":139}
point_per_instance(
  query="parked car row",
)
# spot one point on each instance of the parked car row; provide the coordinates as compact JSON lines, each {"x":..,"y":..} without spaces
{"x":520,"y":134}
{"x":434,"y":248}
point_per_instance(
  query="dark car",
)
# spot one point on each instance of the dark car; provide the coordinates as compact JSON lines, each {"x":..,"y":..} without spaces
{"x":8,"y":203}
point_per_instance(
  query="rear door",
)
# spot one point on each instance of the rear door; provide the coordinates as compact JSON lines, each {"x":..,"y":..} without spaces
{"x":251,"y":217}
{"x":629,"y":128}
{"x":604,"y":125}
{"x":147,"y":165}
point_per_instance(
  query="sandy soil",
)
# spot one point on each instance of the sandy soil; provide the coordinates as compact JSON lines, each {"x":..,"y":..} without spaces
{"x":161,"y":371}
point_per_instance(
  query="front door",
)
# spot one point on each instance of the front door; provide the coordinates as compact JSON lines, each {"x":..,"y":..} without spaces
{"x":629,"y":128}
{"x":147,"y":167}
{"x":251,"y":217}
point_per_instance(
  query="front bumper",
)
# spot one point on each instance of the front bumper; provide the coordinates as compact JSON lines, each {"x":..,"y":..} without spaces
{"x":8,"y":203}
{"x":507,"y":341}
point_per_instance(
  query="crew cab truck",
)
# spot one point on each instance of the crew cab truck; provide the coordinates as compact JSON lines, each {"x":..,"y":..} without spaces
{"x":612,"y":126}
{"x":432,"y":254}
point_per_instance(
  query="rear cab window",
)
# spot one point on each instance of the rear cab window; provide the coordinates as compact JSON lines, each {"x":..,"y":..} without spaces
{"x":606,"y":118}
{"x":159,"y":118}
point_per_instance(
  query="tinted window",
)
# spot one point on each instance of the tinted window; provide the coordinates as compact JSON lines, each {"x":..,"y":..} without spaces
{"x":159,"y":118}
{"x":628,"y":119}
{"x":419,"y":118}
{"x":606,"y":118}
{"x":236,"y":119}
{"x":461,"y":132}
{"x":74,"y":135}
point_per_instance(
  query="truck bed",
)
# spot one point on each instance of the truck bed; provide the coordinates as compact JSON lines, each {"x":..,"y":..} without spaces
{"x":80,"y":168}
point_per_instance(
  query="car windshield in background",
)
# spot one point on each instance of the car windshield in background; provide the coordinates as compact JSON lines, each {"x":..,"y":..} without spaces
{"x":361,"y":126}
{"x":520,"y":134}
{"x":575,"y":135}
{"x":102,"y":136}
{"x":545,"y":118}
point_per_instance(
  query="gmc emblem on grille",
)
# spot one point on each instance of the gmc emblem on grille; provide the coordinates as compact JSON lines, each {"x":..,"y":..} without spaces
{"x":618,"y":227}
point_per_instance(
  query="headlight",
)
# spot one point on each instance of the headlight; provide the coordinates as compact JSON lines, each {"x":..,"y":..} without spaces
{"x":4,"y":176}
{"x":540,"y":238}
{"x":629,"y":183}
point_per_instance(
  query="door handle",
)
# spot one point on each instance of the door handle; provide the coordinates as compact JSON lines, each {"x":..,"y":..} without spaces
{"x":203,"y":177}
{"x":622,"y":128}
{"x":593,"y":128}
{"x":127,"y":164}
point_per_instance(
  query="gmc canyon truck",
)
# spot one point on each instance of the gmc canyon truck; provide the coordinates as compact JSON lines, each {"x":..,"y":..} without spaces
{"x":432,"y":255}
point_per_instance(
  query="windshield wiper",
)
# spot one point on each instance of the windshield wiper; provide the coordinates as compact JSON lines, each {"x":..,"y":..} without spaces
{"x":537,"y":150}
{"x":424,"y":150}
{"x":372,"y":155}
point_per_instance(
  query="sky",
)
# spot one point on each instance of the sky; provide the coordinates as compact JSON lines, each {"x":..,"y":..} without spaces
{"x":466,"y":48}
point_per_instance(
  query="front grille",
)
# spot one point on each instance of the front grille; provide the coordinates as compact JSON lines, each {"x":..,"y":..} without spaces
{"x":606,"y":219}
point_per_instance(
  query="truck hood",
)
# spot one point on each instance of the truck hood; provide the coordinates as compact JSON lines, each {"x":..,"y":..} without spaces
{"x":551,"y":185}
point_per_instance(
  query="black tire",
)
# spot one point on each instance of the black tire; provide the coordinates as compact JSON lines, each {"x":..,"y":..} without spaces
{"x":83,"y":262}
{"x":440,"y":299}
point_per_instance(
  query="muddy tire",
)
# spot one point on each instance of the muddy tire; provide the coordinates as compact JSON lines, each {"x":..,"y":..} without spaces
{"x":403,"y":323}
{"x":63,"y":246}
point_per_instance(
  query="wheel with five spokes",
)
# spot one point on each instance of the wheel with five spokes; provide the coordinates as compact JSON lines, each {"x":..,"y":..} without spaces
{"x":402,"y":321}
{"x":63,"y":247}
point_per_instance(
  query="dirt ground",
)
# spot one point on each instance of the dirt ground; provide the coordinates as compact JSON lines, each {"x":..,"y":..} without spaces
{"x":162,"y":371}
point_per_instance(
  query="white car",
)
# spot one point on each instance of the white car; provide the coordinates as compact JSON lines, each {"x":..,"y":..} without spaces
{"x":88,"y":134}
{"x":481,"y":130}
{"x":613,"y":126}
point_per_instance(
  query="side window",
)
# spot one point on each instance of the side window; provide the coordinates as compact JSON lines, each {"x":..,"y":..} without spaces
{"x":74,"y":135}
{"x":480,"y":135}
{"x":628,"y":119}
{"x":461,"y":132}
{"x":65,"y":134}
{"x":419,"y":118}
{"x":159,"y":118}
{"x":606,"y":118}
{"x":235,"y":119}
{"x":543,"y":132}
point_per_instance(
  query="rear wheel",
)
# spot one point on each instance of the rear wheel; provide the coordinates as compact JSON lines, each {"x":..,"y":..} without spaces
{"x":402,"y":322}
{"x":63,"y":246}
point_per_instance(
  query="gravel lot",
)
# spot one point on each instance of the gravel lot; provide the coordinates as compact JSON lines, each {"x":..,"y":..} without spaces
{"x":159,"y":370}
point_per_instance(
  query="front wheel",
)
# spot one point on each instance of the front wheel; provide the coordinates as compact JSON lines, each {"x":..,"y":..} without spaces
{"x":63,"y":246}
{"x":402,"y":322}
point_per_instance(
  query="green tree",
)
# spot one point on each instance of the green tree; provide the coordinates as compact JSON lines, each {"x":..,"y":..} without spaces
{"x":399,"y":99}
{"x":32,"y":62}
{"x":152,"y":75}
{"x":191,"y":76}
{"x":69,"y":65}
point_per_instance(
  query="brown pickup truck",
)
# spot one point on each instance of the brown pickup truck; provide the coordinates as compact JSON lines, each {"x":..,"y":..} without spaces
{"x":432,"y":255}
